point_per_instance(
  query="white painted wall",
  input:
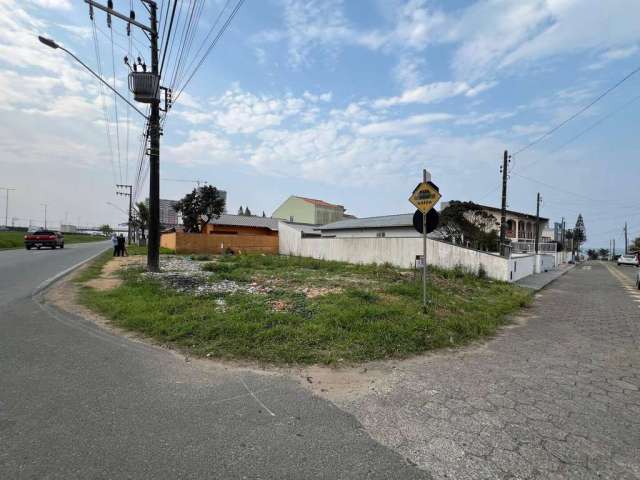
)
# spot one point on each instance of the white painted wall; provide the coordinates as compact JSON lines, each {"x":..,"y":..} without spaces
{"x":521,"y":266}
{"x":398,"y":251}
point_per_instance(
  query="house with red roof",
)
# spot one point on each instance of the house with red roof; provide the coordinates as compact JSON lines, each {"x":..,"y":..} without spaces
{"x":309,"y":210}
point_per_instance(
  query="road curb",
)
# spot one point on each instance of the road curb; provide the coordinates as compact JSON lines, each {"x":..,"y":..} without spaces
{"x":50,"y":281}
{"x":562,"y":274}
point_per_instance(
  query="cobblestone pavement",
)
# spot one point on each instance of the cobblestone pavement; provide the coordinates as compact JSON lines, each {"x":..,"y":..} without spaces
{"x":556,"y":397}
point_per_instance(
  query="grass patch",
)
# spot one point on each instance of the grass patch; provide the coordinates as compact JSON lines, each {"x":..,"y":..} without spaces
{"x":138,"y":250}
{"x":15,"y":239}
{"x":374,"y":314}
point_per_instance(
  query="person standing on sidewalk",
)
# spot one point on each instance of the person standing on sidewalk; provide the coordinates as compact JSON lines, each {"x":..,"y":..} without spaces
{"x":114,"y":243}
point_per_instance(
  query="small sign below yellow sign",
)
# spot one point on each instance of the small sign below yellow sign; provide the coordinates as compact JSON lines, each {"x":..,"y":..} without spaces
{"x":425,"y":196}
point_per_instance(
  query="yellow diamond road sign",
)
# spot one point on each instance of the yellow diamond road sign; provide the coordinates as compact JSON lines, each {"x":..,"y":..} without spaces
{"x":425,"y":196}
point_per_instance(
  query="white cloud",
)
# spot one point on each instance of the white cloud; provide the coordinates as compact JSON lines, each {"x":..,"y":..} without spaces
{"x":408,"y":71}
{"x":612,"y":55}
{"x":432,"y":92}
{"x":53,"y":4}
{"x":411,"y":125}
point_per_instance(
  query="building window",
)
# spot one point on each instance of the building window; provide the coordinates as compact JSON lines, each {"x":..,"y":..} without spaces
{"x":380,"y":234}
{"x":291,"y":218}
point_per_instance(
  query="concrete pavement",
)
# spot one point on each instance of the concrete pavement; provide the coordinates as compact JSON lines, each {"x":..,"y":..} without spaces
{"x":556,"y":397}
{"x":79,"y":402}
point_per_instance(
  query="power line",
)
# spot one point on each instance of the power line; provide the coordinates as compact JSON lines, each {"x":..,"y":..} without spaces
{"x":211,"y":47}
{"x":586,"y":130}
{"x":115,"y":104}
{"x":579,"y":112}
{"x":105,"y":113}
{"x":164,"y":52}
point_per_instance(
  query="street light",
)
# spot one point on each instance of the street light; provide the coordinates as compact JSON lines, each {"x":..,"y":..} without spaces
{"x":52,"y":44}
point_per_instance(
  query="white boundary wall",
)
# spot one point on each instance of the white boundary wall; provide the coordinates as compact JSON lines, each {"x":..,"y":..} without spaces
{"x":521,"y":266}
{"x":400,"y":251}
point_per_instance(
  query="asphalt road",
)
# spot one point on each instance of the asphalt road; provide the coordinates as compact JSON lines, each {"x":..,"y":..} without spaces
{"x":79,"y":402}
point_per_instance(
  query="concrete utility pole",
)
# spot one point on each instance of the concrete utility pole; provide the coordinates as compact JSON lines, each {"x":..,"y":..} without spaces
{"x":614,"y":247}
{"x":127,"y":194}
{"x":503,"y":213}
{"x":537,"y":243}
{"x":6,"y":205}
{"x":45,"y":214}
{"x":626,"y":239}
{"x":153,"y":131}
{"x":153,"y":252}
{"x":562,"y":237}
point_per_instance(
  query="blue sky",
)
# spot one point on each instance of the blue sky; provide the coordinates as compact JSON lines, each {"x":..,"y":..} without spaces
{"x":343,"y":101}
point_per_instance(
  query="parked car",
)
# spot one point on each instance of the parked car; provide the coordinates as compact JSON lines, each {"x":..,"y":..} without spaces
{"x":629,"y":259}
{"x":638,"y":279}
{"x":43,"y":238}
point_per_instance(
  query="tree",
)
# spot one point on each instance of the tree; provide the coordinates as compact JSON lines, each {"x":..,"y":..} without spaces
{"x":106,"y":230}
{"x":141,"y":220}
{"x":580,"y":233}
{"x":603,"y":252}
{"x":592,"y":254}
{"x":240,"y":211}
{"x":469,"y":224}
{"x":247,"y":212}
{"x":199,"y":207}
{"x":635,"y":245}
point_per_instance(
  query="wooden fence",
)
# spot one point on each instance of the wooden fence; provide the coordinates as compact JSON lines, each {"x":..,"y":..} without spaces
{"x":184,"y":243}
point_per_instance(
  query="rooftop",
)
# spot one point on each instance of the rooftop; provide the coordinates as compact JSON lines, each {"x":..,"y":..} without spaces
{"x":497,"y":209}
{"x":385,"y":221}
{"x":246,"y":221}
{"x":320,"y":203}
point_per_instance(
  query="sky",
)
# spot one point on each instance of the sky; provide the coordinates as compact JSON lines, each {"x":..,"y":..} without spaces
{"x":346,"y":101}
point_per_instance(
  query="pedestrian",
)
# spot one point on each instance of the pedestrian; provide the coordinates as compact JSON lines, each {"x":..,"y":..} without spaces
{"x":125,"y":252}
{"x":114,"y":242}
{"x":121,"y":245}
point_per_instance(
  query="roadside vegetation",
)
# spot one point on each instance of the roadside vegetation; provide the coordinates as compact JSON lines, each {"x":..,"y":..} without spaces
{"x":301,"y":310}
{"x":15,"y":239}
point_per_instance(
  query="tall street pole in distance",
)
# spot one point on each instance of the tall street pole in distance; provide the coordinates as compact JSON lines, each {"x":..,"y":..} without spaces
{"x":626,"y":239}
{"x":129,"y":194}
{"x":6,"y":205}
{"x":503,"y":213}
{"x":45,"y":215}
{"x":537,"y":244}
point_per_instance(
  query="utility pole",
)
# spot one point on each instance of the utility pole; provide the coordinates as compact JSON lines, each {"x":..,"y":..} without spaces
{"x":503,"y":213}
{"x":614,"y":248}
{"x":127,"y":194}
{"x":564,"y":256}
{"x":45,"y":214}
{"x":626,"y":239}
{"x":537,"y":243}
{"x":153,"y":255}
{"x":6,"y":205}
{"x":153,"y":131}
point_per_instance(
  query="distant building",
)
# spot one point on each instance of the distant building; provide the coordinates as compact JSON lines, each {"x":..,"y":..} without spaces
{"x":386,"y":226}
{"x":521,"y":227}
{"x":309,"y":210}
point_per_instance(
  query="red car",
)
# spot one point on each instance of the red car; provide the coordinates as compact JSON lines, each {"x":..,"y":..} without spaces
{"x":43,"y":238}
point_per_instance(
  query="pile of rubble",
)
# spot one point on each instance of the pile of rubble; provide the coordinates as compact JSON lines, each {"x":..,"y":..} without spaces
{"x":186,"y":276}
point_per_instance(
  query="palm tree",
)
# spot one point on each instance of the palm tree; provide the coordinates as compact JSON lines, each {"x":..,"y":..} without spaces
{"x":141,"y":221}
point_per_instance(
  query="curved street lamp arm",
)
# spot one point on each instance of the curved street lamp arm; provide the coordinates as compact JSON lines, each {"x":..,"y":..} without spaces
{"x":54,"y":45}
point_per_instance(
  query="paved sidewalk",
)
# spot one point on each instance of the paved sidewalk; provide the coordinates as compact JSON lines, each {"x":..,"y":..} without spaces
{"x":540,"y":280}
{"x":555,"y":398}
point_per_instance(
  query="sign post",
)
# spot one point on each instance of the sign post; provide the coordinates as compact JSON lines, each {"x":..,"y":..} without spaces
{"x":424,"y":197}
